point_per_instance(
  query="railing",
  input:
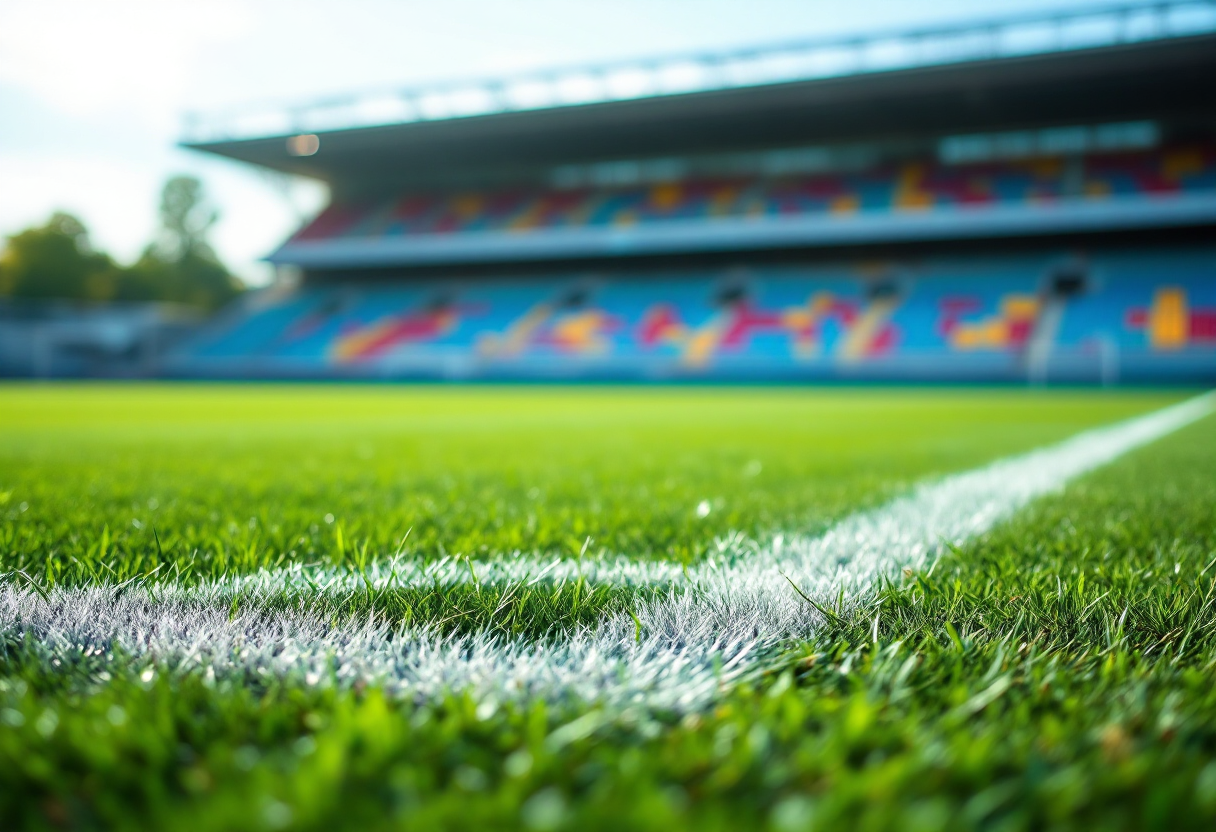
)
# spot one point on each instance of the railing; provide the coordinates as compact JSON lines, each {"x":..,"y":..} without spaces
{"x":806,"y":59}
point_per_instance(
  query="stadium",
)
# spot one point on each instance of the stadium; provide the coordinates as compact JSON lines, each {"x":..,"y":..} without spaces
{"x":1029,"y":199}
{"x":836,"y":452}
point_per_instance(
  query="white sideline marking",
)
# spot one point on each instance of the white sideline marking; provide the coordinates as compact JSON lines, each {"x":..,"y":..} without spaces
{"x":701,"y":636}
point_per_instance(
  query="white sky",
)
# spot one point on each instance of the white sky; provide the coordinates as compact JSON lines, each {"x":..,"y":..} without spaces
{"x":92,"y":93}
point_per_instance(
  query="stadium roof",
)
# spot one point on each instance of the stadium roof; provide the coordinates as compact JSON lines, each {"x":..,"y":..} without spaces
{"x":1127,"y":61}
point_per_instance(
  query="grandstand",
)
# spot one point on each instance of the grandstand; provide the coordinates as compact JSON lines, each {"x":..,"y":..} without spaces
{"x":1031,"y":198}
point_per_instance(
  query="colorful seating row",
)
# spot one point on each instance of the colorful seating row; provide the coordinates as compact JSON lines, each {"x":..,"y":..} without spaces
{"x":999,"y":317}
{"x":912,"y":186}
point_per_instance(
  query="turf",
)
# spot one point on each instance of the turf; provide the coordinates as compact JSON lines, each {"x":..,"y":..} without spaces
{"x":1055,"y":673}
{"x":111,"y":482}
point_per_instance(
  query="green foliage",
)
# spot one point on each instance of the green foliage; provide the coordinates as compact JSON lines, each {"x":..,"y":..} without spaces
{"x":57,"y":262}
{"x":1055,"y":674}
{"x":185,"y":220}
{"x":192,"y":278}
{"x":180,"y":265}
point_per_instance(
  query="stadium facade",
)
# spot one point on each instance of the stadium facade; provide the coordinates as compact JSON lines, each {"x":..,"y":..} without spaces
{"x":1027,"y":199}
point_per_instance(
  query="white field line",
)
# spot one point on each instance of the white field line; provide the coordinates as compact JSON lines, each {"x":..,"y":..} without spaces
{"x":707,"y":632}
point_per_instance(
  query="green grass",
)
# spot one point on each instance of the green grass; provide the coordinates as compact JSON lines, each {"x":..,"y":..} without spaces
{"x":1056,"y":673}
{"x":233,"y":478}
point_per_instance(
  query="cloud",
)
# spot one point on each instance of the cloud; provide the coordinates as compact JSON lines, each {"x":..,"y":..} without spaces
{"x":86,"y":57}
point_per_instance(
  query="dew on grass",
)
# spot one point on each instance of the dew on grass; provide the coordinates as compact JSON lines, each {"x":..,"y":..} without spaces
{"x":47,"y":722}
{"x":544,"y":810}
{"x":277,"y":815}
{"x":518,"y":764}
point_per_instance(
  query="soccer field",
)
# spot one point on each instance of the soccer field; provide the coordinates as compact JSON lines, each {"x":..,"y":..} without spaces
{"x":301,"y":607}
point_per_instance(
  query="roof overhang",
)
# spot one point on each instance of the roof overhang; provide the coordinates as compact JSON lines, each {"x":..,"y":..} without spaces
{"x":1153,"y":79}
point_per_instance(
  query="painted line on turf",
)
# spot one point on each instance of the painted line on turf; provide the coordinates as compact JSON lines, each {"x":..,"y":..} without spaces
{"x":707,"y":632}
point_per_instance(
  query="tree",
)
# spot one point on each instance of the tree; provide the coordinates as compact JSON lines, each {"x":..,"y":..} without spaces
{"x":180,"y":264}
{"x":56,"y":260}
{"x":185,"y":220}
